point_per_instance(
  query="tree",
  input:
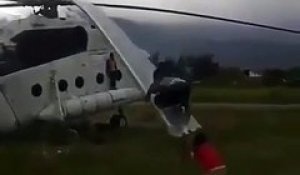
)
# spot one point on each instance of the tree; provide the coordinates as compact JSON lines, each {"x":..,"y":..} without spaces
{"x":154,"y":58}
{"x":293,"y":77}
{"x":183,"y":69}
{"x":198,"y":67}
{"x":165,"y":68}
{"x":274,"y":77}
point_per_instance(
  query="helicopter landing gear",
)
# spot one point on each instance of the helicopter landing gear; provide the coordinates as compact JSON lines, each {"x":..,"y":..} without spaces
{"x":118,"y":120}
{"x":54,"y":132}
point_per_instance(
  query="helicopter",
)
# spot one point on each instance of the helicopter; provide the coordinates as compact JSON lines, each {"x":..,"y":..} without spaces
{"x":54,"y":69}
{"x":60,"y":64}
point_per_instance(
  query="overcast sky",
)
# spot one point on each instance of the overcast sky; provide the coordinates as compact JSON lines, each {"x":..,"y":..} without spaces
{"x":275,"y":12}
{"x":233,"y":45}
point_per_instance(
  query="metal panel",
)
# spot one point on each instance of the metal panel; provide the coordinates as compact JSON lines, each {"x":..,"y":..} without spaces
{"x":8,"y":120}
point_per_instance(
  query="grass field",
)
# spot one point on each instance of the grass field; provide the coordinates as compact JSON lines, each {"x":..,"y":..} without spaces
{"x":274,"y":95}
{"x":262,"y":141}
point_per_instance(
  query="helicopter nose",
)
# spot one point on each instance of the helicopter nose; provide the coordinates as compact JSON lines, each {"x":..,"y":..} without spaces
{"x":7,"y":117}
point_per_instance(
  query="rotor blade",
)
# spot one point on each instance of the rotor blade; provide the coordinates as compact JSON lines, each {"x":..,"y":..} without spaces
{"x":9,"y":3}
{"x":248,"y":23}
{"x":130,"y":7}
{"x":36,"y":3}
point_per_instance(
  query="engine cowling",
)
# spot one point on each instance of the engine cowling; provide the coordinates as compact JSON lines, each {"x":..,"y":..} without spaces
{"x":78,"y":106}
{"x":172,"y":91}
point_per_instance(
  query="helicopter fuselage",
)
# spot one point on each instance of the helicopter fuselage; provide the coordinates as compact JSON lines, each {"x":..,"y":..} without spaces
{"x":53,"y":72}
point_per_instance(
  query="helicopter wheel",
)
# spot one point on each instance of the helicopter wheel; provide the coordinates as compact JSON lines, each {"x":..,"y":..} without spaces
{"x":118,"y":121}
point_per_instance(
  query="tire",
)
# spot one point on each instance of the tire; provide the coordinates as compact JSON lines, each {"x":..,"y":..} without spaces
{"x":118,"y":121}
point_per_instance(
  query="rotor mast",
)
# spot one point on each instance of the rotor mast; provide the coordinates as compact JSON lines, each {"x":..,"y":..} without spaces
{"x":49,"y":11}
{"x":48,"y":8}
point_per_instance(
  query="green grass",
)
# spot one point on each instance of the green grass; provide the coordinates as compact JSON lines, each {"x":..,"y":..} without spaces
{"x":276,"y":95}
{"x":253,"y":142}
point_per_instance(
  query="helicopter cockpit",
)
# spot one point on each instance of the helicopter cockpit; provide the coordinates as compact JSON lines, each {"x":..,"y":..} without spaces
{"x":38,"y":46}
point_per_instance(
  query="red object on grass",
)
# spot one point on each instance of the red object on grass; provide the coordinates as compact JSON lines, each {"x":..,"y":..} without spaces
{"x":208,"y":157}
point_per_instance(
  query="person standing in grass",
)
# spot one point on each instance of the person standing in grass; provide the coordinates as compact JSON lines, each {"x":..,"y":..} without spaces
{"x":207,"y":157}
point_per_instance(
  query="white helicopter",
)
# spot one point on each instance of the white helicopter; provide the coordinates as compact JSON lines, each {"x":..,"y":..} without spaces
{"x":55,"y":68}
